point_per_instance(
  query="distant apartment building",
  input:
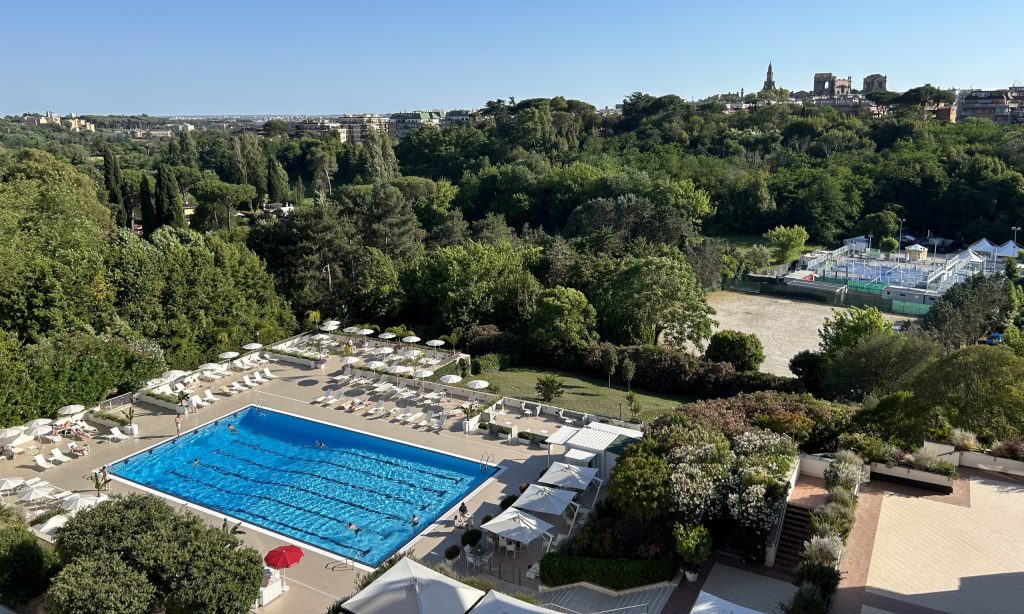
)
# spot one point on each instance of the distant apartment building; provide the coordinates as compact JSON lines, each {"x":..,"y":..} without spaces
{"x":401,"y":125}
{"x":1004,"y":106}
{"x":457,"y":118}
{"x":71,"y":122}
{"x":316,"y":127}
{"x":358,"y":127}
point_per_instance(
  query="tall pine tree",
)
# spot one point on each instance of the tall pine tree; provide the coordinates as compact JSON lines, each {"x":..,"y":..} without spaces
{"x":277,"y":181}
{"x":300,"y":191}
{"x":381,"y":163}
{"x":189,"y":153}
{"x":168,"y":198}
{"x":147,"y":204}
{"x":387,"y":221}
{"x":114,"y":183}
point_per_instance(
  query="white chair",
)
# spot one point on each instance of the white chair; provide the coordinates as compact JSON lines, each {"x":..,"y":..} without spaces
{"x":267,"y":374}
{"x":331,"y":400}
{"x":78,"y":450}
{"x":58,"y":456}
{"x":259,"y":379}
{"x":238,"y":387}
{"x":209,"y":376}
{"x":208,"y":396}
{"x":413,"y":418}
{"x":248,"y":382}
{"x":228,"y":391}
{"x":42,"y":462}
{"x":115,"y":435}
{"x":510,"y":547}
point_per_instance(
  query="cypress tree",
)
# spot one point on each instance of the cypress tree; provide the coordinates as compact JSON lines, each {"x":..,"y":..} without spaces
{"x":300,"y":191}
{"x":168,"y":198}
{"x":114,"y":183}
{"x":277,"y":181}
{"x":147,"y":203}
{"x":188,"y":149}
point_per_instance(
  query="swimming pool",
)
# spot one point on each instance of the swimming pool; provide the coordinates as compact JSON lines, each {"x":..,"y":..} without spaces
{"x":270,"y":471}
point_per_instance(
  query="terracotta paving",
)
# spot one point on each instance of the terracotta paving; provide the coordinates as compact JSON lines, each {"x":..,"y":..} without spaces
{"x":809,"y":493}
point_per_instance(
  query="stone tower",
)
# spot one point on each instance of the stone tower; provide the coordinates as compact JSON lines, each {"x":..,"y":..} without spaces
{"x":769,"y":80}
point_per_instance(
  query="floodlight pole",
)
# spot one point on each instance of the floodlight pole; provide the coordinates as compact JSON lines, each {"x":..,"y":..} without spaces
{"x":1014,"y":229}
{"x":899,"y":243}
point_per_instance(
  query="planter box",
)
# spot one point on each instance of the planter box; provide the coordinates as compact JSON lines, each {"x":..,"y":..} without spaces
{"x":979,"y":460}
{"x":814,"y":465}
{"x":132,"y":430}
{"x":469,"y":424}
{"x":912,"y":477}
{"x":295,"y":360}
{"x":175,"y":407}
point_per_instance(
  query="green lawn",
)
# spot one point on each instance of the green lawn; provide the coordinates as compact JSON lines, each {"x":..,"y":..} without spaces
{"x":583,"y":393}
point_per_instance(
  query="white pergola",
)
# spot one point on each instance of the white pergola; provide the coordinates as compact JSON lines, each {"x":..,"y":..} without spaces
{"x":411,"y":588}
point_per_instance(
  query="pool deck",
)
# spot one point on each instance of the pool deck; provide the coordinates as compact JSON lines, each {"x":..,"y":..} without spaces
{"x":319,"y":580}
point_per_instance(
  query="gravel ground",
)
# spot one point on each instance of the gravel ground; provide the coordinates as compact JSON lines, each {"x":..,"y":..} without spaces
{"x":784,"y":326}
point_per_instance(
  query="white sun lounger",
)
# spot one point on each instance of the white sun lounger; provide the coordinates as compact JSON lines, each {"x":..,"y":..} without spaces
{"x":248,"y":382}
{"x":208,"y":396}
{"x":238,"y":387}
{"x":322,"y":398}
{"x":376,"y":411}
{"x":115,"y":435}
{"x":412,"y":418}
{"x":267,"y":374}
{"x":58,"y":456}
{"x":42,"y":462}
{"x":209,"y":376}
{"x":331,"y":400}
{"x":259,"y":379}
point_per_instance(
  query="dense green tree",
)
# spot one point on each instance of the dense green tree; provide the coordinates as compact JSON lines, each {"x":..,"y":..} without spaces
{"x":493,"y":229}
{"x":381,"y":164}
{"x":218,"y":202}
{"x":846,"y":328}
{"x":276,"y":127}
{"x":277,"y":182}
{"x":969,"y":310}
{"x":100,"y":584}
{"x":386,"y":220}
{"x":879,"y":225}
{"x":879,"y":363}
{"x":786,"y":242}
{"x":562,"y":326}
{"x":888,"y":244}
{"x":640,"y":486}
{"x":167,"y":199}
{"x":147,"y":206}
{"x":113,"y":182}
{"x":743,"y":351}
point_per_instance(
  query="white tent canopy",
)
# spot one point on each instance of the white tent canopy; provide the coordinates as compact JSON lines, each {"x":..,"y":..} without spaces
{"x":579,"y":456}
{"x":983,"y":246}
{"x":544,"y":500}
{"x":412,"y":588}
{"x":710,"y":604}
{"x":500,"y":603}
{"x":518,"y":526}
{"x":569,"y":476}
{"x":1008,"y":250}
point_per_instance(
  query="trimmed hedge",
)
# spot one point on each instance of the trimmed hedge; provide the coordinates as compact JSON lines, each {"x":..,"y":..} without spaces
{"x":488,"y":363}
{"x":617,"y":574}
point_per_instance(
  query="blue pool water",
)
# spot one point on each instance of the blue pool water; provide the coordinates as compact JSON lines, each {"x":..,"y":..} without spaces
{"x":269,"y":472}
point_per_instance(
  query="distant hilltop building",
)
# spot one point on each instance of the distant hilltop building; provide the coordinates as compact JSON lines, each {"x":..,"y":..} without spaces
{"x":827,"y":84}
{"x":401,"y":125}
{"x":874,"y":83}
{"x":769,"y":80}
{"x":71,"y":122}
{"x":347,"y":128}
{"x":1004,"y":106}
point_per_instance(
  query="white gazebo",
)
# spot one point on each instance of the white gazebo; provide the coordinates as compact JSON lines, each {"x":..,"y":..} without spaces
{"x":411,"y":588}
{"x":500,"y":603}
{"x":516,"y":525}
{"x":596,"y":443}
{"x":710,"y":604}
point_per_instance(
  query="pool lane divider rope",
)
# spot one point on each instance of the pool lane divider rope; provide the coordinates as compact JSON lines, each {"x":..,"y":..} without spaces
{"x":218,"y":451}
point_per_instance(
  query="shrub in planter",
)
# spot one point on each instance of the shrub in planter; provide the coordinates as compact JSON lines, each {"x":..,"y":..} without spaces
{"x":823,"y":577}
{"x":872,"y":448}
{"x":807,"y":600}
{"x":693,"y":545}
{"x":471,"y":537}
{"x":452,"y":552}
{"x":1011,"y":448}
{"x":843,"y":497}
{"x":483,"y":425}
{"x":481,"y":584}
{"x":928,"y":460}
{"x":617,"y":574}
{"x":964,"y":441}
{"x":832,"y":519}
{"x":488,"y":363}
{"x":842,"y":474}
{"x":100,"y":583}
{"x":507,"y":502}
{"x":823,"y":550}
{"x":487,"y":518}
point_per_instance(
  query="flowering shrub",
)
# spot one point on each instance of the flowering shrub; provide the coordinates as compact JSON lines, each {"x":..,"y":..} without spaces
{"x":964,"y":441}
{"x":823,"y":550}
{"x":844,"y":475}
{"x":1011,"y":448}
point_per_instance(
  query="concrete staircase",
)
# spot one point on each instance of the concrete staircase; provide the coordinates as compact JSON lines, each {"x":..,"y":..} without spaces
{"x":580,"y":600}
{"x":796,"y":529}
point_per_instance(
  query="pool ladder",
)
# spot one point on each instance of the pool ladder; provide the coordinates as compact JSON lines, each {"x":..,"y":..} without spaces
{"x":342,"y":565}
{"x":486,"y":462}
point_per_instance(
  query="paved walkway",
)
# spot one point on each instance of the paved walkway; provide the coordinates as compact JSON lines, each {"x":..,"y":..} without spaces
{"x":319,"y":579}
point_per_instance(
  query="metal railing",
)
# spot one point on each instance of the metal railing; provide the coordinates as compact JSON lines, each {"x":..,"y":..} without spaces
{"x":627,"y":608}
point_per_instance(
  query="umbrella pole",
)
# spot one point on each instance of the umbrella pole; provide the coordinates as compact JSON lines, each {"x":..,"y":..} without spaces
{"x":284,"y":585}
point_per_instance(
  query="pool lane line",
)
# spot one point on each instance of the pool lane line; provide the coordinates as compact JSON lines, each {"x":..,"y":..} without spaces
{"x":342,"y":466}
{"x":419,"y":505}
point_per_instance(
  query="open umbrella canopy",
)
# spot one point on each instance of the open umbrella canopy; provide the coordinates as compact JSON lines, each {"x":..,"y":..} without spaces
{"x":252,"y":346}
{"x":373,"y":365}
{"x":411,"y":588}
{"x":350,"y":329}
{"x":435,"y":343}
{"x":39,"y":422}
{"x":350,"y":360}
{"x":78,"y":502}
{"x":421,"y":373}
{"x":9,"y":483}
{"x":332,"y":323}
{"x":387,"y":335}
{"x":283,"y":557}
{"x":38,"y":431}
{"x":364,"y":331}
{"x":173,"y":374}
{"x":518,"y":526}
{"x":400,"y":370}
{"x":321,"y":337}
{"x":450,"y":379}
{"x":412,"y":353}
{"x":209,"y":366}
{"x":227,"y":355}
{"x":13,"y":436}
{"x":70,"y":410}
{"x":384,"y":351}
{"x":329,"y":328}
{"x":477,"y":384}
{"x":544,"y":500}
{"x":410,"y":339}
{"x":568,"y":476}
{"x":500,"y":603}
{"x":35,"y":492}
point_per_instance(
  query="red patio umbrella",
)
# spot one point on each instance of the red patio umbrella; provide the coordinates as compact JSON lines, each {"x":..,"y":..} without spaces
{"x":282,"y":558}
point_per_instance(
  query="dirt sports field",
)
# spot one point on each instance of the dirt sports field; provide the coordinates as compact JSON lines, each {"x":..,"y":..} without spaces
{"x":784,"y":326}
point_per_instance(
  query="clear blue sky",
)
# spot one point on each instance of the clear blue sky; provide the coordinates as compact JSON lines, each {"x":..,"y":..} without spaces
{"x":335,"y":56}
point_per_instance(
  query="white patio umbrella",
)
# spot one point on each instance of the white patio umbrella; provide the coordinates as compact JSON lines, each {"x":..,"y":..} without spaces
{"x":563,"y":475}
{"x":78,"y":502}
{"x":477,"y":384}
{"x":373,"y":365}
{"x":518,"y":526}
{"x":421,"y":373}
{"x":321,"y":337}
{"x":209,"y":366}
{"x":71,"y":410}
{"x":173,"y":374}
{"x":227,"y":355}
{"x":384,"y":351}
{"x":435,"y":343}
{"x":544,"y":500}
{"x":410,"y":339}
{"x":252,"y":346}
{"x":13,"y":436}
{"x":411,"y":353}
{"x":387,"y":335}
{"x":411,"y":588}
{"x":34,"y":492}
{"x":332,"y":323}
{"x":11,"y":483}
{"x":350,"y":360}
{"x":400,"y":370}
{"x":38,"y":431}
{"x":450,"y":379}
{"x":364,"y":331}
{"x":500,"y":603}
{"x":350,"y":329}
{"x":38,"y":422}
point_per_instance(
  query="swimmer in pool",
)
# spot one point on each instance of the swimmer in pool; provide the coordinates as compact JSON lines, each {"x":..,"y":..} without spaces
{"x":231,"y":427}
{"x":321,"y":444}
{"x":352,"y":527}
{"x":415,"y":520}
